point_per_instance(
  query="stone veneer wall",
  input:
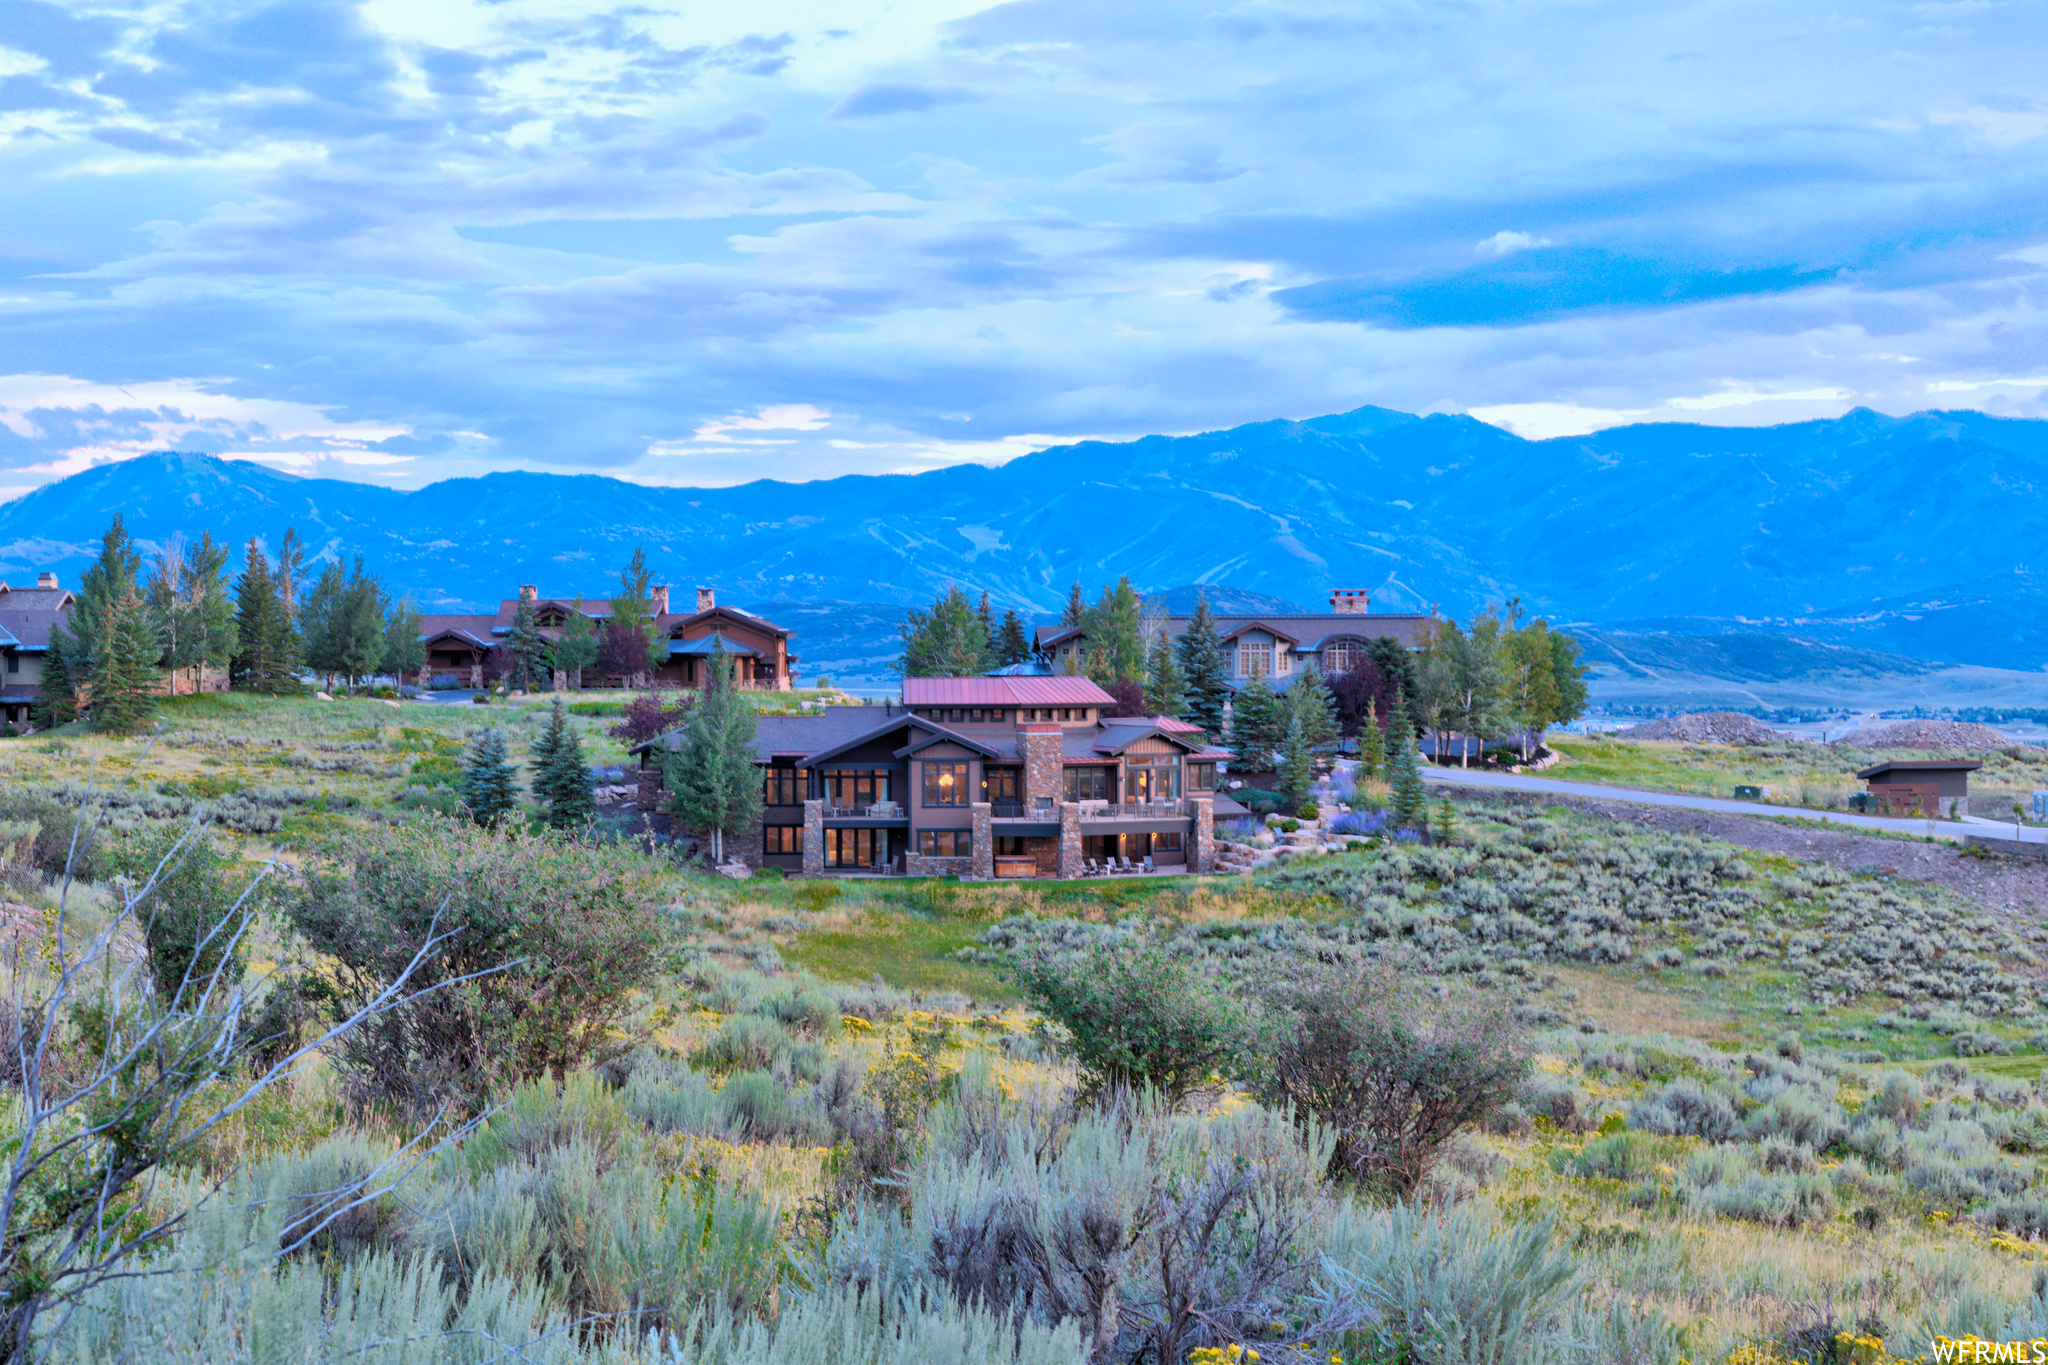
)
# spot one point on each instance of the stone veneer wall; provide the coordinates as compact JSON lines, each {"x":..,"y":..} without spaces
{"x":983,"y":852}
{"x":814,"y":838}
{"x":649,"y":798}
{"x":1070,"y":839}
{"x":918,"y":865}
{"x":1202,"y":857}
{"x":1041,"y":747}
{"x":1045,"y":851}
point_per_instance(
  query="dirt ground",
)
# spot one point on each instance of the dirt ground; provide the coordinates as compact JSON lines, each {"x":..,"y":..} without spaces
{"x":2017,"y":886}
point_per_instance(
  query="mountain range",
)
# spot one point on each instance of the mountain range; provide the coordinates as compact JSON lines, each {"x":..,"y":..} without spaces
{"x":1905,"y":535}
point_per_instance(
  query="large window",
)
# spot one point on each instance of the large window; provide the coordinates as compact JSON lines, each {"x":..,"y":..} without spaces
{"x":781,"y":787}
{"x":1155,"y":780}
{"x":856,"y":847}
{"x":1087,"y":784}
{"x":856,"y":787}
{"x":1255,"y":658}
{"x":1341,"y":656}
{"x":945,"y":784}
{"x":782,"y":838}
{"x":945,"y":843}
{"x":1201,"y":777}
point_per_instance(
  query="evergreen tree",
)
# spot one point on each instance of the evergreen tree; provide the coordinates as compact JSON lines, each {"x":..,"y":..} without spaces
{"x":1200,"y":647}
{"x":946,"y":642}
{"x":361,"y":624}
{"x":212,"y":607}
{"x":1404,"y":774}
{"x":1297,"y":765}
{"x":1372,"y":744}
{"x":1012,"y":645}
{"x":1397,"y":666}
{"x":1309,"y":701}
{"x":125,"y":669}
{"x":1255,"y":728}
{"x":1165,"y":689}
{"x":526,"y":646}
{"x":633,"y":613}
{"x":560,"y":777}
{"x":489,"y":787}
{"x":575,"y":647}
{"x":405,"y":654}
{"x":286,"y":648}
{"x":322,"y":621}
{"x":1077,"y":607}
{"x":1445,"y":830}
{"x":257,"y":607}
{"x":1115,"y":626}
{"x":1098,"y":667}
{"x":988,"y":627}
{"x":712,"y":775}
{"x":74,"y":652}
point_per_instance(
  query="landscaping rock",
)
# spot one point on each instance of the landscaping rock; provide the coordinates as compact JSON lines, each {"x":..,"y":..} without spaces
{"x":1708,"y":727}
{"x":1927,"y":734}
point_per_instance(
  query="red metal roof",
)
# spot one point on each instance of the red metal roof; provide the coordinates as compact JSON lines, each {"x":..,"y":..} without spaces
{"x":1057,"y":691}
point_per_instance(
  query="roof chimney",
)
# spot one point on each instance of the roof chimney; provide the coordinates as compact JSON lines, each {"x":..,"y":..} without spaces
{"x":1350,"y":601}
{"x":659,"y":604}
{"x":706,"y":599}
{"x":46,"y":580}
{"x":529,"y":592}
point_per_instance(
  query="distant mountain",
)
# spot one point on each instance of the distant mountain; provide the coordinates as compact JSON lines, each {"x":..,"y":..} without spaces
{"x":1907,"y":535}
{"x":1747,"y":656}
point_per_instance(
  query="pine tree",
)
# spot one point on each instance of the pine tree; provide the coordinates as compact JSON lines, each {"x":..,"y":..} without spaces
{"x":74,"y":652}
{"x":1012,"y":645}
{"x":1308,"y":699}
{"x":712,"y":775}
{"x":1077,"y":607}
{"x":1115,"y":626}
{"x":633,"y":611}
{"x":526,"y":646}
{"x":560,"y":777}
{"x":124,"y":666}
{"x":1445,"y":829}
{"x":286,"y":649}
{"x":1201,"y":666}
{"x":1297,"y":765}
{"x":1098,"y":666}
{"x":946,"y":642}
{"x":1165,"y":689}
{"x":257,"y":608}
{"x":1404,"y":774}
{"x":212,"y":607}
{"x":1372,"y":744}
{"x":489,"y":787}
{"x":360,"y":624}
{"x":988,"y":627}
{"x":1255,"y":728}
{"x":321,"y":621}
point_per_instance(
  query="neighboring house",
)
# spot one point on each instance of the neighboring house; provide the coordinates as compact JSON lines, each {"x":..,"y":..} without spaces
{"x":457,"y":645}
{"x":1271,"y":646}
{"x":26,"y":617}
{"x":982,"y":777}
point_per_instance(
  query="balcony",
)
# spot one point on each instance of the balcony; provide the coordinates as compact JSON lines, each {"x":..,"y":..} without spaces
{"x":878,"y":815}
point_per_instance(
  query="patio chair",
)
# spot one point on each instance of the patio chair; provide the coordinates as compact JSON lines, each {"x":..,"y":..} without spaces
{"x":1087,"y":867}
{"x":1124,"y":864}
{"x":1148,"y":864}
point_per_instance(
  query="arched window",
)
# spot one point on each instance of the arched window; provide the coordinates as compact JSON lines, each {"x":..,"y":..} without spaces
{"x":1341,"y":656}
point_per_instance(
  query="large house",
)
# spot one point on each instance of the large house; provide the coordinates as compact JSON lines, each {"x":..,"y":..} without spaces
{"x":979,"y":777}
{"x":1274,"y":646}
{"x":27,"y":615}
{"x":459,"y":646}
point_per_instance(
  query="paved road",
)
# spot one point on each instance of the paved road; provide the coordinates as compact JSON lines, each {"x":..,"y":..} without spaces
{"x":1940,"y":829}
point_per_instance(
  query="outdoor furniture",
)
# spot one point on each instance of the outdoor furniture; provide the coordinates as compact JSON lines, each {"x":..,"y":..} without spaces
{"x":1087,"y":867}
{"x":1148,"y":864}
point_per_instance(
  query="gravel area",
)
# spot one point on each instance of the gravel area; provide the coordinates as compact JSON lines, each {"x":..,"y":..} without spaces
{"x":1708,"y":727}
{"x":1928,"y":734}
{"x":2016,"y":886}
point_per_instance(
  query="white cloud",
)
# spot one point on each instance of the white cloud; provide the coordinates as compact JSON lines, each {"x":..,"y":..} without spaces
{"x":786,"y":417}
{"x":1999,"y":127}
{"x":1541,"y":421}
{"x":1506,"y":243}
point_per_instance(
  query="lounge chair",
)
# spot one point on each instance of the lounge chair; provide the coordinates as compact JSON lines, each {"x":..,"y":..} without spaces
{"x":1087,"y":867}
{"x":1148,"y":864}
{"x":1124,"y":864}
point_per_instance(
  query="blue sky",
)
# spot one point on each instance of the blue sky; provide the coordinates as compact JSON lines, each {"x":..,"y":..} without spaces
{"x":698,"y":244}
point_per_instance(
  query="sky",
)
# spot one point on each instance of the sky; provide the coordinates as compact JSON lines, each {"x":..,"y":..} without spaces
{"x":406,"y":240}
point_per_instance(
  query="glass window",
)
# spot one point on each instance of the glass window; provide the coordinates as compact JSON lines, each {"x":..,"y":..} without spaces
{"x":945,"y":784}
{"x":1010,"y":846}
{"x":999,"y":784}
{"x":1087,"y":784}
{"x":999,"y":716}
{"x":1255,"y":659}
{"x":974,"y":713}
{"x":779,"y":787}
{"x":782,"y":838}
{"x":856,"y":788}
{"x":1343,"y":656}
{"x":1202,"y":777}
{"x":855,"y":847}
{"x":1166,"y":843}
{"x":945,"y":843}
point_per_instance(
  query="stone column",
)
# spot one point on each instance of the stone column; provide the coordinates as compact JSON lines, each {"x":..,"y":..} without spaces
{"x":1202,"y":856}
{"x":814,"y":838}
{"x":1070,"y":839}
{"x":561,"y":680}
{"x":983,"y":850}
{"x":476,"y":675}
{"x":426,"y":677}
{"x":1040,"y":745}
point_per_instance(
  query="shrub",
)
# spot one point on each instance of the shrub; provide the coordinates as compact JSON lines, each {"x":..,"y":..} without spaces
{"x":1396,"y":1073}
{"x":548,"y":940}
{"x":1682,"y":1107}
{"x":647,"y":716}
{"x":745,"y":1042}
{"x":189,"y":912}
{"x":1139,"y":1017}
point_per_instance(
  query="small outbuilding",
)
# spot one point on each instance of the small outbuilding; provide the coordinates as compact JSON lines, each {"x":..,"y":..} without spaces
{"x":1920,"y":787}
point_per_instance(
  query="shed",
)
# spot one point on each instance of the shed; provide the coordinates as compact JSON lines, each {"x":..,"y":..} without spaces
{"x":1924,"y":787}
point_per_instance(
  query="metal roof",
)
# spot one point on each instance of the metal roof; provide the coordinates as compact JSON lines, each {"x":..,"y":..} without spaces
{"x":1005,"y":691}
{"x":704,"y":646}
{"x":1922,"y":765}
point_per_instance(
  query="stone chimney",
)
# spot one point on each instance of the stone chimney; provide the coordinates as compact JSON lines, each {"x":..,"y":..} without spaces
{"x":46,"y":580}
{"x":706,"y":599}
{"x":1350,"y":601}
{"x":659,"y":606}
{"x":1040,"y":745}
{"x":529,"y":592}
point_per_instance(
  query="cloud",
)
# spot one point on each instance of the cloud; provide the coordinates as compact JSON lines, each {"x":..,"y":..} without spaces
{"x":1506,"y":243}
{"x":884,"y":98}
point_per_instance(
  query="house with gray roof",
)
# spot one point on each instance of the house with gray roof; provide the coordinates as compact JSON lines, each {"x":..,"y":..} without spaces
{"x":28,"y":613}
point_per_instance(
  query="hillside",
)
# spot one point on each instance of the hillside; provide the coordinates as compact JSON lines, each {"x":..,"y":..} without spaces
{"x":1896,"y":535}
